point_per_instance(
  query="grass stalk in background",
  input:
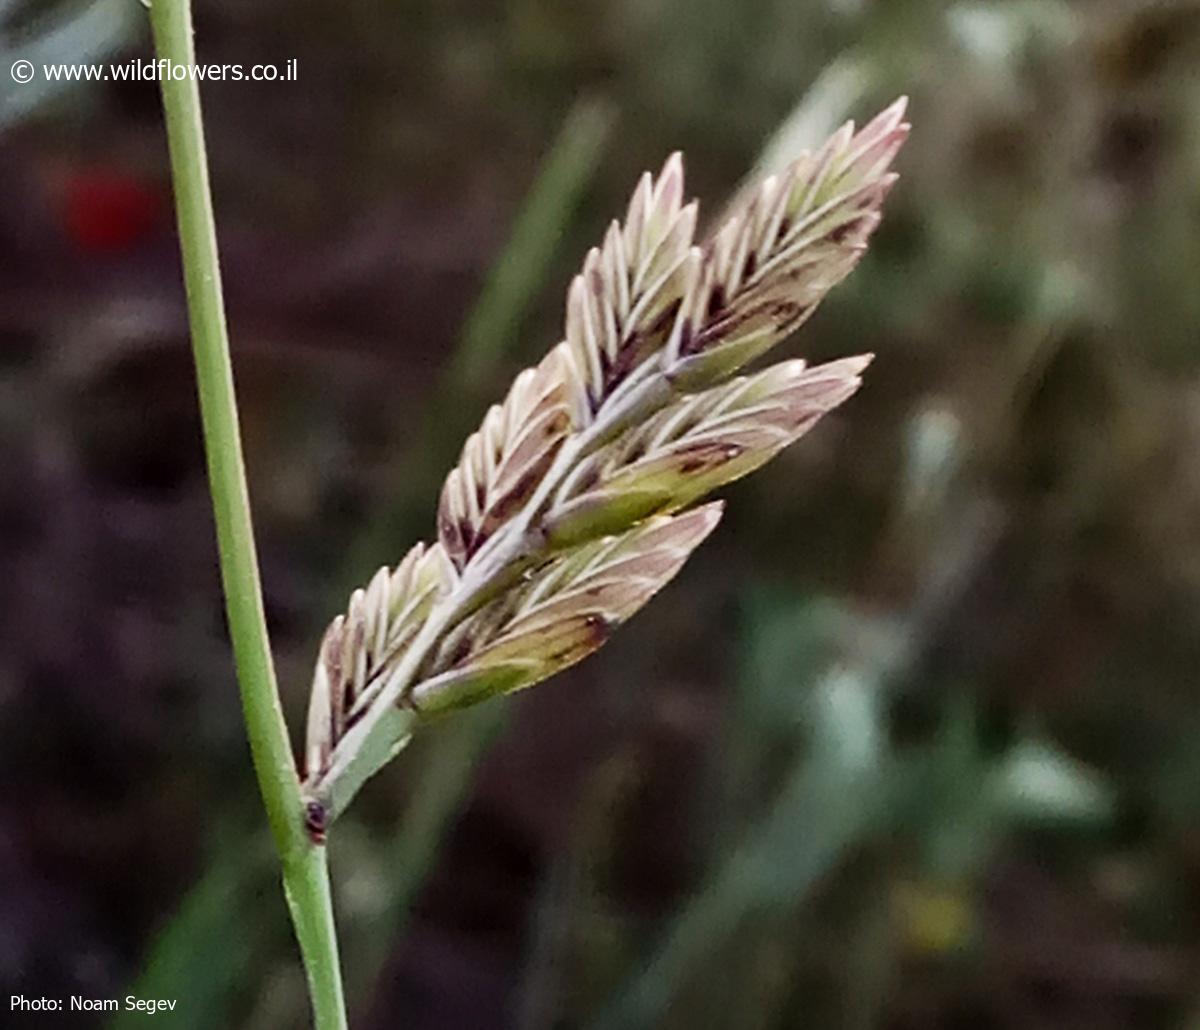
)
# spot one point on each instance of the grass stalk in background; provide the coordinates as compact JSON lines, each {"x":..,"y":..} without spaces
{"x":491,"y":328}
{"x":305,"y":875}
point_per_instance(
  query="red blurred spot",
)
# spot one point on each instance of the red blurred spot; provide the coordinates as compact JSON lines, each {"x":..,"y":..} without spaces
{"x":106,"y":210}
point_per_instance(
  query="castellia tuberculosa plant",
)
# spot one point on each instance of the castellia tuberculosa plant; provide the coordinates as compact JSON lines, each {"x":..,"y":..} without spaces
{"x":576,"y":500}
{"x":571,"y":506}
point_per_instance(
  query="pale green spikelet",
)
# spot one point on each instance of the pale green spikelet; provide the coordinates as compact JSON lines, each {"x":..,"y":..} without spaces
{"x":780,"y":252}
{"x":626,"y":302}
{"x":504,"y":460}
{"x":698,"y":444}
{"x":560,"y":613}
{"x":379,"y":622}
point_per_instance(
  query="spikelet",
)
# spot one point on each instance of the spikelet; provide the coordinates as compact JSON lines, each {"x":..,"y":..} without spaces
{"x":379,"y":623}
{"x":624,"y":305}
{"x":503,"y":461}
{"x":561,"y":613}
{"x":780,"y":252}
{"x":698,"y":444}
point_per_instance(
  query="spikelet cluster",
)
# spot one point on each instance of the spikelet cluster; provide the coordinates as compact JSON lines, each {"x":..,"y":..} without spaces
{"x":572,"y":504}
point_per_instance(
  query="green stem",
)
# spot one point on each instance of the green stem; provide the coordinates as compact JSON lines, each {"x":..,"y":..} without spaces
{"x":305,"y":874}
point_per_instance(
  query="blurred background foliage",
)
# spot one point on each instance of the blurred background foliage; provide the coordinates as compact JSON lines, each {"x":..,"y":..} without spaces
{"x":912,"y":743}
